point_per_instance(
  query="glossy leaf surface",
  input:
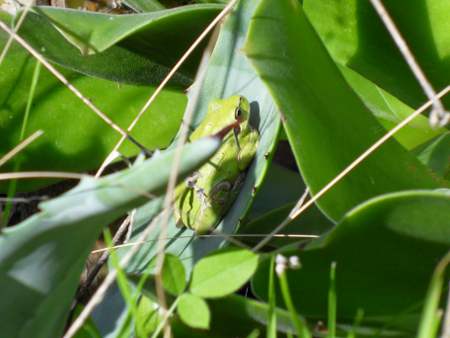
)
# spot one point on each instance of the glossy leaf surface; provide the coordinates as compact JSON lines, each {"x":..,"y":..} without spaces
{"x":385,"y":250}
{"x":323,"y":114}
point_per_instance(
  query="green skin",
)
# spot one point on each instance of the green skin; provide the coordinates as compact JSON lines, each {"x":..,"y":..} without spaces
{"x":205,"y":197}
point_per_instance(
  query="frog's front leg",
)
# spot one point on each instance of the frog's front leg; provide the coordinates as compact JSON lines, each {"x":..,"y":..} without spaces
{"x":236,"y":132}
{"x":247,"y":152}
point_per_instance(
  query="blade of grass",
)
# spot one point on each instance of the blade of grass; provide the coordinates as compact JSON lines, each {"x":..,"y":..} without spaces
{"x":434,"y":330}
{"x":137,"y":293}
{"x":13,"y":184}
{"x":300,"y":325}
{"x":446,"y":324}
{"x":430,"y":321}
{"x":272,"y":320}
{"x":358,"y":319}
{"x":101,"y":291}
{"x":124,"y":285}
{"x":167,"y":314}
{"x":332,"y":302}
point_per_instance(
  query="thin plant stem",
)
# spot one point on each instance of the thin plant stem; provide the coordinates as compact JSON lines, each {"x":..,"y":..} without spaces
{"x":124,"y":285}
{"x":446,"y":323}
{"x":13,"y":184}
{"x":269,"y":237}
{"x":332,"y":302}
{"x":357,"y":322}
{"x":213,"y":235}
{"x":167,"y":314}
{"x":103,"y":258}
{"x":107,"y":282}
{"x":22,"y":145}
{"x":40,"y":174}
{"x":16,"y":29}
{"x":429,"y":320}
{"x":300,"y":326}
{"x":271,"y":314}
{"x":438,"y":117}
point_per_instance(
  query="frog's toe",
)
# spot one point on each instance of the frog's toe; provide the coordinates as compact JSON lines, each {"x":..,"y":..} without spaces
{"x":179,"y":223}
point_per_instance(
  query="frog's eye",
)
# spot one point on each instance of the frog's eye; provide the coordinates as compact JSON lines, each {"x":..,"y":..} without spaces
{"x":238,"y":114}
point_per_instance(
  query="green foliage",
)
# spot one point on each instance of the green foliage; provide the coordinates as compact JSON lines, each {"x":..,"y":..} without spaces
{"x":35,"y":254}
{"x":228,"y":74}
{"x":316,"y":126}
{"x":124,"y":48}
{"x":71,"y":130}
{"x":356,"y":37}
{"x":193,"y":311}
{"x":380,"y":247}
{"x":173,"y":275}
{"x":222,"y":272}
{"x":325,"y":71}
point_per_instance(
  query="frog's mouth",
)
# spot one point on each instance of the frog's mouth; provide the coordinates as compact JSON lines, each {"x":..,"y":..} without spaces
{"x":225,"y":130}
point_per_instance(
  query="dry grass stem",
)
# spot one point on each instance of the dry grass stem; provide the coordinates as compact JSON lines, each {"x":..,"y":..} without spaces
{"x":220,"y":235}
{"x":16,"y":29}
{"x":438,"y":116}
{"x":22,"y":145}
{"x":40,"y":174}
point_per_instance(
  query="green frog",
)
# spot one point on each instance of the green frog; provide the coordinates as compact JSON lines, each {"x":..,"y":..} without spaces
{"x":204,"y":198}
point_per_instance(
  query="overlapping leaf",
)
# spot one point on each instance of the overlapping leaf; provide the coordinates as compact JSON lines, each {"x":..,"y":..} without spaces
{"x":356,"y":37}
{"x":385,"y":250}
{"x":75,"y":139}
{"x":134,"y":48}
{"x":42,"y":258}
{"x":326,"y":123}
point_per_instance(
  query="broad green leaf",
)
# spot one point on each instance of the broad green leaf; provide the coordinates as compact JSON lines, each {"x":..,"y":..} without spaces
{"x":173,"y":275}
{"x":385,"y":250}
{"x":193,"y":311}
{"x":280,"y":187}
{"x":390,"y":111}
{"x":228,"y":73}
{"x":148,"y":314}
{"x":134,"y":48}
{"x":356,"y":37}
{"x":237,"y":316}
{"x":323,"y":114}
{"x":41,"y":259}
{"x":75,"y":139}
{"x":436,"y":155}
{"x":222,"y":272}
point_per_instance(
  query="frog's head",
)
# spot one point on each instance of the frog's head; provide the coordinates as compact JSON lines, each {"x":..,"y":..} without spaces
{"x":242,"y":111}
